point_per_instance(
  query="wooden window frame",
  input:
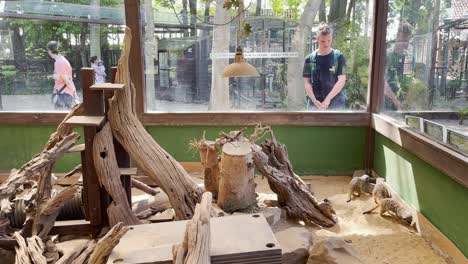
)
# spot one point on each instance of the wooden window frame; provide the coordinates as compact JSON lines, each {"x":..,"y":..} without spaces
{"x":439,"y":156}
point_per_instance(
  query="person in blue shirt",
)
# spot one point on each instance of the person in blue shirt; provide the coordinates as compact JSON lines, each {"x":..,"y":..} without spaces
{"x":324,"y":75}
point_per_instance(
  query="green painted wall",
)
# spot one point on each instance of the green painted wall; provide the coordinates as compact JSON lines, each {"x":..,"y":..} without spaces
{"x":18,"y":144}
{"x":312,"y":150}
{"x":439,"y":198}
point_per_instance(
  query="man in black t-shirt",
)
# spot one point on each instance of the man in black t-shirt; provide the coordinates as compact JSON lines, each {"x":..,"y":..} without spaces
{"x":323,"y":74}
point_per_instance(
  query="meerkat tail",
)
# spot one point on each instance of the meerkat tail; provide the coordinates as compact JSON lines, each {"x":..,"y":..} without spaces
{"x":366,"y":212}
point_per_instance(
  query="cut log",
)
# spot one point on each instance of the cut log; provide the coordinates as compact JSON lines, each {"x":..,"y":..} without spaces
{"x":107,"y":243}
{"x":155,"y":162}
{"x":236,"y":185}
{"x":293,"y":195}
{"x":195,"y":248}
{"x":209,"y":159}
{"x":108,"y":173}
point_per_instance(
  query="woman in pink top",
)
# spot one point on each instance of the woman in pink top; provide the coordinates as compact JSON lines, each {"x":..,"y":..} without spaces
{"x":63,"y":87}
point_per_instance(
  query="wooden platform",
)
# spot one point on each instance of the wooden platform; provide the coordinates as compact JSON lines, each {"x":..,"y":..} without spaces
{"x":234,"y":239}
{"x":107,"y":86}
{"x":94,"y":121}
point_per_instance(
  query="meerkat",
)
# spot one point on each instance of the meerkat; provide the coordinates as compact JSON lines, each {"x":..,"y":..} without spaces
{"x":327,"y":209}
{"x":393,"y":207}
{"x":380,"y":192}
{"x":357,"y":186}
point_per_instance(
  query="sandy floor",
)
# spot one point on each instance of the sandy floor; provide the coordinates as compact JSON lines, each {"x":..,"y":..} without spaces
{"x":376,"y":239}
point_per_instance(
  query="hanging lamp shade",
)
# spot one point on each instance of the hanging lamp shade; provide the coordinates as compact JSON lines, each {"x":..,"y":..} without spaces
{"x":240,"y":68}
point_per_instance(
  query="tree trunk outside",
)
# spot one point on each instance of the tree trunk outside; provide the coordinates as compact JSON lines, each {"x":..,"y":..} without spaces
{"x":296,"y":92}
{"x":219,"y":95}
{"x":323,"y":12}
{"x":95,"y":32}
{"x":193,"y":13}
{"x":83,"y":55}
{"x":432,"y":71}
{"x":258,"y":8}
{"x":150,"y":54}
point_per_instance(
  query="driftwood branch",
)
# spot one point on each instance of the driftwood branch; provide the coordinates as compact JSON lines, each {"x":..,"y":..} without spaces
{"x":108,"y":173}
{"x":209,"y":158}
{"x":45,"y":218}
{"x":30,"y":250}
{"x":28,"y":175}
{"x":144,"y":187}
{"x":63,"y":129}
{"x":293,"y":194}
{"x":107,"y":243}
{"x":155,"y":162}
{"x":196,"y":245}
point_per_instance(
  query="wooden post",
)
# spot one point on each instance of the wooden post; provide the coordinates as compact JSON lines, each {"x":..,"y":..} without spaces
{"x":95,"y":198}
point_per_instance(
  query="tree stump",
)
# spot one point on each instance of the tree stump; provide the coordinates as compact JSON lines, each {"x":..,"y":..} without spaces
{"x":155,"y":162}
{"x":236,"y":185}
{"x":209,"y":159}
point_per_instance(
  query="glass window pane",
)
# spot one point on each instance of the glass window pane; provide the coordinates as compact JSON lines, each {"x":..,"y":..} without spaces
{"x":426,"y":75}
{"x":29,"y":73}
{"x":188,"y":44}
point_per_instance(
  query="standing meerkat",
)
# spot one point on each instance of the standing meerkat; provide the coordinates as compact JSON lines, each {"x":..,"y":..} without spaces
{"x":357,"y":186}
{"x":393,"y":207}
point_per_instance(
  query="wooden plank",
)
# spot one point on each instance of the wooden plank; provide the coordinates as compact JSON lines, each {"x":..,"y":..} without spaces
{"x":107,"y":86}
{"x":439,"y":156}
{"x":153,"y":243}
{"x":133,"y":21}
{"x":94,"y":121}
{"x":72,"y":227}
{"x":342,"y":119}
{"x":77,"y":148}
{"x":128,"y":171}
{"x":436,"y":239}
{"x":8,"y":243}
